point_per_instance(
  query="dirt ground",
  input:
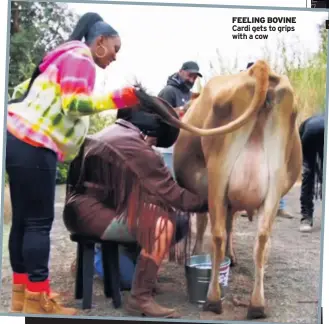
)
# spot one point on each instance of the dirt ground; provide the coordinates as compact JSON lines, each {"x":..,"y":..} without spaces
{"x":291,"y":278}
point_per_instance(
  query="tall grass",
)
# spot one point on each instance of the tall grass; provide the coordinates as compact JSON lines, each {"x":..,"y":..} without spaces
{"x":306,"y":72}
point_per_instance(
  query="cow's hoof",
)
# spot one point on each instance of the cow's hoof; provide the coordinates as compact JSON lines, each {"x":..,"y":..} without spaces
{"x":256,"y":313}
{"x":213,"y":306}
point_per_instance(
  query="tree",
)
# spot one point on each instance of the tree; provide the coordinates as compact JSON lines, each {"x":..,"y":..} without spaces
{"x":36,"y":28}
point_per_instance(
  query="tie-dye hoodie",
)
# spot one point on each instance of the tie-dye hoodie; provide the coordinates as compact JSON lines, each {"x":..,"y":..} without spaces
{"x":55,"y":113}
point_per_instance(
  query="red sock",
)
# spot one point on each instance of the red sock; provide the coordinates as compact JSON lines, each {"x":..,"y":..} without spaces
{"x":20,"y":278}
{"x":42,"y":286}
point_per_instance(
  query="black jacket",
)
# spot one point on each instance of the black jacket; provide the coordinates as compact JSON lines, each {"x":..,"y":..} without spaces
{"x":311,"y":130}
{"x":175,"y":92}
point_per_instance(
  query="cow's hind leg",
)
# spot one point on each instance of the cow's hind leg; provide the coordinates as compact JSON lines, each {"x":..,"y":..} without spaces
{"x":218,"y":214}
{"x":201,"y":225}
{"x":267,"y":214}
{"x":230,"y":222}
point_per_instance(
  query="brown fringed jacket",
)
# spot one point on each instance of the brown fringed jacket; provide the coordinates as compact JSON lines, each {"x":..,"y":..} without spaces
{"x":117,"y":175}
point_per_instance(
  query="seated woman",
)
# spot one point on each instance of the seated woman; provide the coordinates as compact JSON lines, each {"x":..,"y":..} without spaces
{"x":120,"y":189}
{"x":128,"y":256}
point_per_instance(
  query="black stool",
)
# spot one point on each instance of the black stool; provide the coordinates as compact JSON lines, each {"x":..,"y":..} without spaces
{"x":85,"y":269}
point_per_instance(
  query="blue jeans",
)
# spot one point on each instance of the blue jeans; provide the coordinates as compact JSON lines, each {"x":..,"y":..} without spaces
{"x":282,"y":203}
{"x":32,"y":175}
{"x":168,"y":159}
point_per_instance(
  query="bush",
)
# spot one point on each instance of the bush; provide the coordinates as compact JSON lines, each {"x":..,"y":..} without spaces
{"x":62,"y":170}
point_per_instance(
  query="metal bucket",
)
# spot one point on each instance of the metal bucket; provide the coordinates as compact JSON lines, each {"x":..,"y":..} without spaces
{"x":198,"y":274}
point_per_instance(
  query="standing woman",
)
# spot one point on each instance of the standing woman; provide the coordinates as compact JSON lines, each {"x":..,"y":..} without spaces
{"x":48,"y":123}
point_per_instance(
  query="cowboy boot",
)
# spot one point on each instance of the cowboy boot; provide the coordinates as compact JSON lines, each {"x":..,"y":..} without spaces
{"x":141,"y":302}
{"x":156,"y":289}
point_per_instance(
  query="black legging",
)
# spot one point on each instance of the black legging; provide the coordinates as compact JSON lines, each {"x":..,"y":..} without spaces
{"x":32,"y":174}
{"x":312,"y":137}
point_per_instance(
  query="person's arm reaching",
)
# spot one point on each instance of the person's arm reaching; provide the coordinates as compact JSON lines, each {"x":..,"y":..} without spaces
{"x":158,"y":181}
{"x":77,"y":75}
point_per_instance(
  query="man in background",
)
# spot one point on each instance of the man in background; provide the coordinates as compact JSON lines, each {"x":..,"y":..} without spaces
{"x":178,"y":93}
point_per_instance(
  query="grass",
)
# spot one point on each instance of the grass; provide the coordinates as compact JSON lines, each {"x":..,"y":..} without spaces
{"x":306,"y":72}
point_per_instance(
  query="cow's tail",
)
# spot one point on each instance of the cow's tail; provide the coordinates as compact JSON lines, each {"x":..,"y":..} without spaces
{"x":260,"y":71}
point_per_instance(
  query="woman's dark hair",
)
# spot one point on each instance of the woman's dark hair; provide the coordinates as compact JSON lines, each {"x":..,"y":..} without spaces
{"x":35,"y":74}
{"x":89,"y":26}
{"x":84,"y":24}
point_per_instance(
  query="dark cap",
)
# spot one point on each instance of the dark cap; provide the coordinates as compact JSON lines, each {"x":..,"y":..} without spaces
{"x":250,"y":64}
{"x":191,"y":67}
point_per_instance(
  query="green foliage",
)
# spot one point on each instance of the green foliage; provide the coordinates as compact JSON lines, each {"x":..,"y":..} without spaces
{"x":62,"y":170}
{"x":100,"y":121}
{"x":6,"y":178}
{"x":36,"y":28}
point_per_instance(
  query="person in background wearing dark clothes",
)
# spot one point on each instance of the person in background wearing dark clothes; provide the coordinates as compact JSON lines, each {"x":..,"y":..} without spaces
{"x":312,"y":136}
{"x":177,"y":93}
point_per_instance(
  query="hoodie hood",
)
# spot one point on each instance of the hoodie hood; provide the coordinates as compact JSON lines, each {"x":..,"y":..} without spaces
{"x":175,"y":80}
{"x":57,"y":52}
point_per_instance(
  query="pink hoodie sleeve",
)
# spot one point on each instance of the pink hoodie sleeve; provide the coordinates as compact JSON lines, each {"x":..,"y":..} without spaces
{"x":77,"y":74}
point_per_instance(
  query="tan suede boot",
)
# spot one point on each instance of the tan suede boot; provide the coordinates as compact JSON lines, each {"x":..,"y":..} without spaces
{"x":18,"y":295}
{"x":17,"y":298}
{"x":141,"y":302}
{"x":41,"y":303}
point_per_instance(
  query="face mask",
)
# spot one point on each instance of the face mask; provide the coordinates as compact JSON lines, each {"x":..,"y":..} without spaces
{"x":188,"y":84}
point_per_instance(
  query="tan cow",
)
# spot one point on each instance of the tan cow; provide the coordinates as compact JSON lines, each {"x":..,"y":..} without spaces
{"x":252,"y":159}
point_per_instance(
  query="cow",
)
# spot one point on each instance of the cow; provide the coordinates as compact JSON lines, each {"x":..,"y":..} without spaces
{"x":249,"y":160}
